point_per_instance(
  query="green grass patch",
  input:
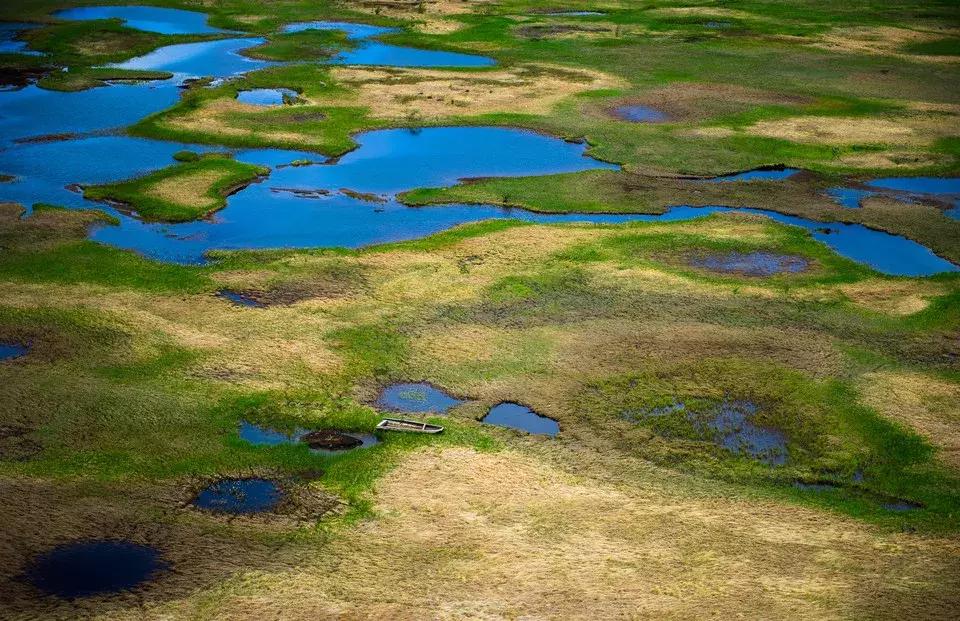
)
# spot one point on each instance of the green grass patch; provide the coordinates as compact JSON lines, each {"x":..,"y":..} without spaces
{"x":182,"y":192}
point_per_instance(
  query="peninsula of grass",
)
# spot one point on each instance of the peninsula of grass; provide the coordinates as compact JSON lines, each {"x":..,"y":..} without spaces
{"x":301,"y":46}
{"x":183,"y":192}
{"x":92,"y":77}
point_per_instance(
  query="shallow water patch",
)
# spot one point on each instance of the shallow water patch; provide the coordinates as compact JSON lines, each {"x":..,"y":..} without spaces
{"x":264,"y":436}
{"x":636,"y":113}
{"x":851,"y":198}
{"x":730,"y":425}
{"x":240,"y":298}
{"x":267,"y":96}
{"x":9,"y":41}
{"x":573,"y":13}
{"x":817,"y":486}
{"x":751,"y":263}
{"x":94,"y":567}
{"x":416,"y":397}
{"x":899,"y":505}
{"x":11,"y":351}
{"x":239,"y":496}
{"x":520,"y":417}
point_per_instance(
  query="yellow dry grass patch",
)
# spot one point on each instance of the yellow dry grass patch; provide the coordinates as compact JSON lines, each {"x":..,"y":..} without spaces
{"x":913,"y":130}
{"x":467,"y":535}
{"x":928,"y":405}
{"x":893,"y":297}
{"x":883,"y":40}
{"x":213,"y":118}
{"x":531,"y":89}
{"x":189,"y":190}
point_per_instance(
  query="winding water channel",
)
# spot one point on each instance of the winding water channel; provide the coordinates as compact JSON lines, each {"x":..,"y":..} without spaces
{"x":92,"y":149}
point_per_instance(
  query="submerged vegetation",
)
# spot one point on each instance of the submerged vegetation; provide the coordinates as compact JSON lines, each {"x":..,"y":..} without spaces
{"x":719,"y":416}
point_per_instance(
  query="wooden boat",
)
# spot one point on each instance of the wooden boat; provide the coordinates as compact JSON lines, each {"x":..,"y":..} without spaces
{"x":412,"y":426}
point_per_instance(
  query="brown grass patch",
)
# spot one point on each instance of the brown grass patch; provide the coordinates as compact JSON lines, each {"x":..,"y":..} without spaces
{"x":893,"y":297}
{"x":928,"y":405}
{"x":502,"y":536}
{"x":531,"y":89}
{"x":838,"y":130}
{"x":684,"y":101}
{"x":883,"y":40}
{"x":190,"y":190}
{"x":214,"y":118}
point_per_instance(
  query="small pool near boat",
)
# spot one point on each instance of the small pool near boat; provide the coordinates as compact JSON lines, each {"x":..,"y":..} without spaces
{"x":640,"y":114}
{"x":94,"y":567}
{"x":416,"y":397}
{"x":240,"y":298}
{"x":522,"y":418}
{"x":267,"y":96}
{"x":239,"y":496}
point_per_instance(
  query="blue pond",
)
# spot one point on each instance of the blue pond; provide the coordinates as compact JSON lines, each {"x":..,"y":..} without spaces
{"x":516,"y":416}
{"x":416,"y":397}
{"x":266,"y":96}
{"x":640,"y":114}
{"x":900,"y":506}
{"x":239,"y":496}
{"x":9,"y":351}
{"x":752,"y":263}
{"x":371,"y":52}
{"x":773,"y":173}
{"x":219,"y":59}
{"x":819,"y":486}
{"x":146,"y":18}
{"x":95,"y":567}
{"x":10,"y":44}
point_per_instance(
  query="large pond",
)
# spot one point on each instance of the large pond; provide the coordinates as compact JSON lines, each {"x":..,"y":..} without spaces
{"x":368,"y":51}
{"x":51,"y":141}
{"x":146,"y":18}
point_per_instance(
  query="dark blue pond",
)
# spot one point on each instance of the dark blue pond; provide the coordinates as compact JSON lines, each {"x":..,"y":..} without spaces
{"x":516,"y":416}
{"x":819,"y":486}
{"x":366,"y":441}
{"x":266,"y":96}
{"x":759,"y":174}
{"x":640,"y":114}
{"x":239,"y":496}
{"x":752,"y":263}
{"x":146,"y":18}
{"x":10,"y":44}
{"x":9,"y":351}
{"x":416,"y":397}
{"x":95,"y":567}
{"x":371,"y":52}
{"x":899,"y":506}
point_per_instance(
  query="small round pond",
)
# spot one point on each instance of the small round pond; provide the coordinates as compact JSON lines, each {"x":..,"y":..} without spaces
{"x":239,"y":496}
{"x":94,"y":567}
{"x":416,"y":397}
{"x":520,"y":417}
{"x":751,"y":263}
{"x":267,"y":96}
